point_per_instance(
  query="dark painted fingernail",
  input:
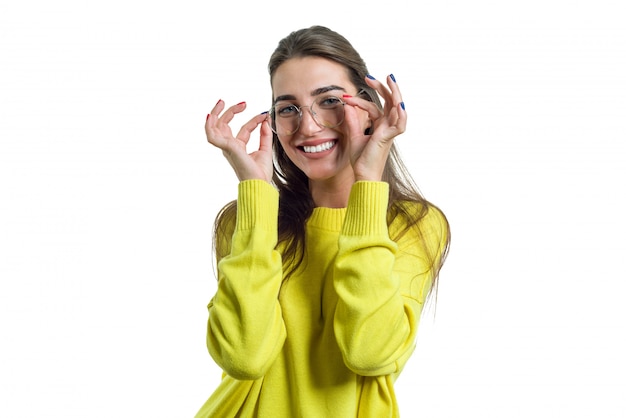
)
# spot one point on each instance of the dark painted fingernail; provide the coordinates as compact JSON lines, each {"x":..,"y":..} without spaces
{"x":371,"y":77}
{"x":207,"y":116}
{"x":402,"y":105}
{"x":264,"y":113}
{"x":392,"y":77}
{"x":240,"y":103}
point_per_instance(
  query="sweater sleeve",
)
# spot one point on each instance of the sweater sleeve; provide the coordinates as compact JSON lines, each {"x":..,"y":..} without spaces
{"x":245,"y":327}
{"x":381,"y":284}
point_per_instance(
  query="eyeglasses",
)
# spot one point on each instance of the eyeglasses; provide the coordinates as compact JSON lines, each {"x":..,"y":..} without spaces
{"x":327,"y":111}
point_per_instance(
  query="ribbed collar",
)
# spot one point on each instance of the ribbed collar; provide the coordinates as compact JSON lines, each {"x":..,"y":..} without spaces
{"x":327,"y":218}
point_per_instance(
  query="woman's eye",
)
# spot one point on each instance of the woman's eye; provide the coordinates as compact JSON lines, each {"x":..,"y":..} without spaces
{"x":331,"y":101}
{"x":287,"y":110}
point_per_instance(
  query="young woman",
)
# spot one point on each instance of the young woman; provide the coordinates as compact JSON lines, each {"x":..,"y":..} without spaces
{"x":329,"y":253}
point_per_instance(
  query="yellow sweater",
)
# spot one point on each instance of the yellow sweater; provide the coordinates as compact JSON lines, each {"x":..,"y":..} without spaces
{"x":331,"y":339}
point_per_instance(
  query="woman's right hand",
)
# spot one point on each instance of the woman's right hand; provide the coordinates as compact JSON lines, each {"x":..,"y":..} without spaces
{"x":247,"y":166}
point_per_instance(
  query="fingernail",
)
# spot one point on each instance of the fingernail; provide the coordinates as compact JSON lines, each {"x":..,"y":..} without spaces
{"x":371,"y":77}
{"x":264,"y":113}
{"x":240,"y":103}
{"x":207,"y":116}
{"x":218,"y":102}
{"x":346,"y":96}
{"x":402,"y":105}
{"x":392,"y":77}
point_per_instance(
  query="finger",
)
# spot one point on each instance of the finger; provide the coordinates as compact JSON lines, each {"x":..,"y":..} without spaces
{"x":402,"y":117}
{"x":216,"y":127}
{"x":370,"y":107}
{"x":265,"y":142}
{"x":213,"y":113}
{"x":398,"y":102}
{"x":250,"y":126}
{"x":381,"y":89}
{"x":230,"y":113}
{"x":394,"y":108}
{"x":353,"y":129}
{"x":394,"y":122}
{"x":213,"y":135}
{"x":395,"y":90}
{"x":350,"y":120}
{"x":217,"y":109}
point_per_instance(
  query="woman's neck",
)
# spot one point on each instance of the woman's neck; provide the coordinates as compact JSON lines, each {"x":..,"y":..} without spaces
{"x":331,"y":193}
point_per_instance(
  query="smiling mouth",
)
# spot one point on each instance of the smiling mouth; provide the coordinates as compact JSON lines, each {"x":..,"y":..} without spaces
{"x":318,"y":148}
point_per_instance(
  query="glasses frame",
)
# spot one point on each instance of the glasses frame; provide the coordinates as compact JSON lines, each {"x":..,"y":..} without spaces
{"x":271,"y":113}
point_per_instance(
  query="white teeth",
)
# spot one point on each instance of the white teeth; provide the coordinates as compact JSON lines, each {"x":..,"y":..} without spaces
{"x":319,"y":148}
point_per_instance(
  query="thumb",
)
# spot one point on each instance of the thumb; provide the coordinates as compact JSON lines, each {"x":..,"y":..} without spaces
{"x":265,"y":141}
{"x":351,"y":122}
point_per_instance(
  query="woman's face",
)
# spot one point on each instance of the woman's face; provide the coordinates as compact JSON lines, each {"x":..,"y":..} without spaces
{"x":322,"y":153}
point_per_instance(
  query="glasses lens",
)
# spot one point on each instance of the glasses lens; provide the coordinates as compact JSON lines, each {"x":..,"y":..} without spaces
{"x":328,"y":111}
{"x":284,"y":118}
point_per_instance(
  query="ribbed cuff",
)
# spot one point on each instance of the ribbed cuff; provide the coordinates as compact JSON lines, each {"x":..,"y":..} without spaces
{"x":367,"y":209}
{"x":257,"y":205}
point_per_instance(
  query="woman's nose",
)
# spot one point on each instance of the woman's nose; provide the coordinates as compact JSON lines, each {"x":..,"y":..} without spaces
{"x":308,"y":124}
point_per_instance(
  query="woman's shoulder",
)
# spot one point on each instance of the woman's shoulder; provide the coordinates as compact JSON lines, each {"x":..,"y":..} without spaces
{"x":419,"y":218}
{"x":419,"y":212}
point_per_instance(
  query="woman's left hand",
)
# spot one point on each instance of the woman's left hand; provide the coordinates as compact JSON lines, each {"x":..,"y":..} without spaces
{"x":369,"y":152}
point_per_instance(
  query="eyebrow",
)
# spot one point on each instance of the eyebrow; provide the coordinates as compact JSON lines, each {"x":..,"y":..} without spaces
{"x":315,"y":92}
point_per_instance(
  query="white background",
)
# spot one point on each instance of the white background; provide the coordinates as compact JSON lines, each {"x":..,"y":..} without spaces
{"x":108,"y":191}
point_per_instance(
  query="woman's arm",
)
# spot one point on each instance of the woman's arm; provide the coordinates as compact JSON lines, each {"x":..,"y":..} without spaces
{"x":245,"y":327}
{"x":381,"y":284}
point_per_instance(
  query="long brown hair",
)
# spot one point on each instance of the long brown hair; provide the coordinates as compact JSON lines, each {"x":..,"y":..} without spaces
{"x":295,"y":201}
